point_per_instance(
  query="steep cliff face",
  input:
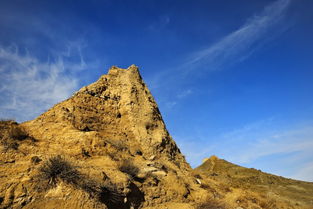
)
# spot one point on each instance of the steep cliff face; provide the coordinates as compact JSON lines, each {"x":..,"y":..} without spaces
{"x":112,"y":133}
{"x":118,"y":107}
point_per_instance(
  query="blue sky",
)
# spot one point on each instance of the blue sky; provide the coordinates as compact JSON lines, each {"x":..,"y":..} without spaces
{"x":232,"y":78}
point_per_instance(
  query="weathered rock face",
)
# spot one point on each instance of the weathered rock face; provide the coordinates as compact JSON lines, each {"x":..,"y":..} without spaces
{"x":119,"y":107}
{"x":113,"y":132}
{"x":121,"y":104}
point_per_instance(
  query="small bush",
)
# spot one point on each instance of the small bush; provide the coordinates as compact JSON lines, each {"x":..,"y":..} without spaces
{"x":129,"y":168}
{"x":106,"y":193}
{"x":9,"y":145}
{"x":109,"y":195}
{"x":11,"y":135}
{"x":17,"y":133}
{"x":57,"y":168}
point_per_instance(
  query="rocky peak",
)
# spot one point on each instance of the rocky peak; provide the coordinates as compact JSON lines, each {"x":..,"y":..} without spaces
{"x":112,"y":132}
{"x":118,"y":106}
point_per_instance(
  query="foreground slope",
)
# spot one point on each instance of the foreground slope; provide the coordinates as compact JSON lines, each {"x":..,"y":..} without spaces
{"x":282,"y":192}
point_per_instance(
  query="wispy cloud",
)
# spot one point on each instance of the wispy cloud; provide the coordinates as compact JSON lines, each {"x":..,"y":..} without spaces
{"x":179,"y":97}
{"x":30,"y":85}
{"x":240,"y":44}
{"x":305,"y":173}
{"x":263,"y":142}
{"x":184,"y":94}
{"x":233,"y":48}
{"x":290,"y":147}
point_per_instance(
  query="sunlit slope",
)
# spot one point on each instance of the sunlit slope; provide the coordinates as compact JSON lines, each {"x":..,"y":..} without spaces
{"x":297,"y":193}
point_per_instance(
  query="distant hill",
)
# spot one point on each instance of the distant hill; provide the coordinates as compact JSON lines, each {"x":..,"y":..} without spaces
{"x":283,"y":192}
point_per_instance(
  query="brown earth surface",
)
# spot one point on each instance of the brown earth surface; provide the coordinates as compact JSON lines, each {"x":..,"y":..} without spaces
{"x":107,"y":147}
{"x":248,"y":186}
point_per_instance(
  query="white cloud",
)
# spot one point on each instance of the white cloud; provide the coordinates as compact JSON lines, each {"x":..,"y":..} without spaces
{"x":280,"y":150}
{"x":180,"y":96}
{"x":238,"y":45}
{"x":305,"y":173}
{"x":263,"y":141}
{"x":229,"y":50}
{"x":194,"y":149}
{"x":184,"y":93}
{"x":30,"y":86}
{"x":290,"y":148}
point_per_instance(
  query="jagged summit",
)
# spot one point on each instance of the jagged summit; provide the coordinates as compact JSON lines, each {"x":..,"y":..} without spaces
{"x":118,"y":106}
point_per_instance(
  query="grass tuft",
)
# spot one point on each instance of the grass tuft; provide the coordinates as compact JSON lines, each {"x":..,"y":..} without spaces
{"x":57,"y":168}
{"x":129,"y":168}
{"x":11,"y":134}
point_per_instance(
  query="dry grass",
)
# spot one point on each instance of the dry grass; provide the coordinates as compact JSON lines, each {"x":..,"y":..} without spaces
{"x":11,"y":135}
{"x":58,"y":169}
{"x":129,"y":168}
{"x":268,"y":204}
{"x":9,"y":145}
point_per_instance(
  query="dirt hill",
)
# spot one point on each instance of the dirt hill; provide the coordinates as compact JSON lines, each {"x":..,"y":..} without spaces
{"x":107,"y":147}
{"x":249,"y":185}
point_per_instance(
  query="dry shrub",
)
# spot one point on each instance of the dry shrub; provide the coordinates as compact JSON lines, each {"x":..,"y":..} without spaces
{"x":11,"y":135}
{"x":108,"y":194}
{"x":16,"y":133}
{"x":9,"y":145}
{"x":58,"y":169}
{"x":129,"y":168}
